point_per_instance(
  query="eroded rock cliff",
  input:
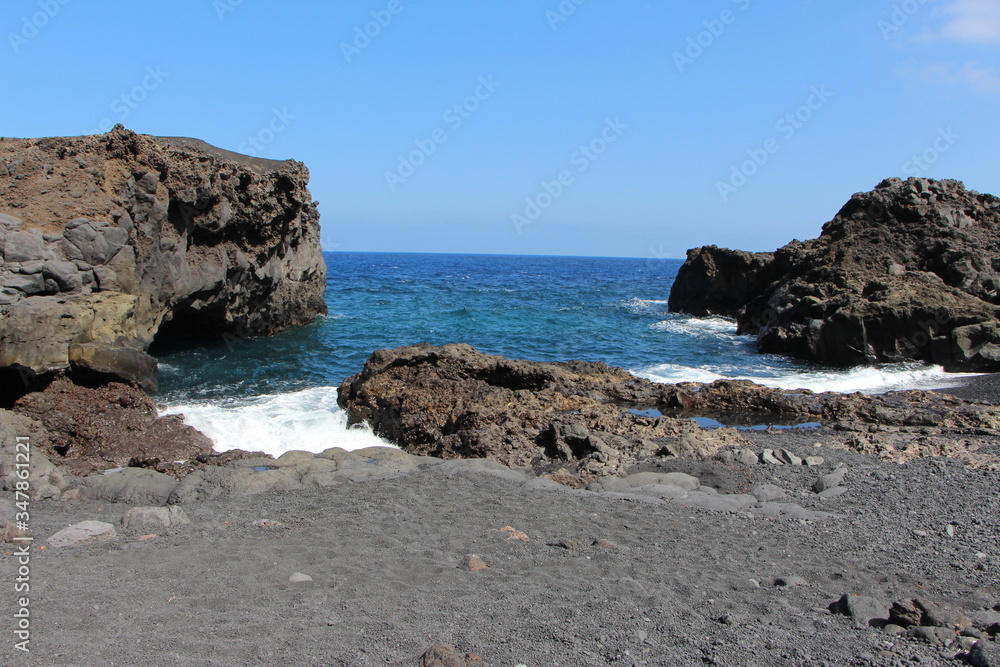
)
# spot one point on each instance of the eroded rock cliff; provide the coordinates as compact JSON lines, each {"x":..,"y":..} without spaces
{"x":108,"y":241}
{"x":908,"y":271}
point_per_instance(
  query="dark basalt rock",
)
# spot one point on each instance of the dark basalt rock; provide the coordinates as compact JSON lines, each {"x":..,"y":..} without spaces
{"x":908,"y":271}
{"x":109,"y":241}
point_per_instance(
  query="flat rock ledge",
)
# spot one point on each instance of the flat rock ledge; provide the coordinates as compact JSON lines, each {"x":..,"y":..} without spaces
{"x":579,"y":421}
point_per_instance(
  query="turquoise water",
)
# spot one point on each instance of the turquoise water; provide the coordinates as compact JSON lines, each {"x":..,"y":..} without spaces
{"x":283,"y":387}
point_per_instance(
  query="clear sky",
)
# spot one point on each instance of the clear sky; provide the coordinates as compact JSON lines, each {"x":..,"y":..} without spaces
{"x":580,"y":127}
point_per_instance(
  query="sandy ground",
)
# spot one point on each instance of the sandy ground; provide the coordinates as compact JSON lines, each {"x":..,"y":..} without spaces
{"x":676,"y":586}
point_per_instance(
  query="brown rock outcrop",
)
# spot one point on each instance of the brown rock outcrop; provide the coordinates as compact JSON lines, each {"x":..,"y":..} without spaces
{"x":908,"y":271}
{"x":108,"y":427}
{"x":455,"y":402}
{"x":108,"y":241}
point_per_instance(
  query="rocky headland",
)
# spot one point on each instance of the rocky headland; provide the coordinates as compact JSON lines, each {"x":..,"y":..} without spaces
{"x":908,"y":271}
{"x":111,"y":241}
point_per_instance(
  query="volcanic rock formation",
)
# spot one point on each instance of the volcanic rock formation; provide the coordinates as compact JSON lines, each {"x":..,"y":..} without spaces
{"x":108,"y":241}
{"x":455,"y":402}
{"x":908,"y":271}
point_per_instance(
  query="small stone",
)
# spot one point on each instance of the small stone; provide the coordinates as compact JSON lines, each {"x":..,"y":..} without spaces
{"x":768,"y":457}
{"x":515,"y":534}
{"x":605,"y":544}
{"x":298,"y":578}
{"x":813,"y":461}
{"x":933,"y":635}
{"x":949,"y":530}
{"x":830,"y":481}
{"x":147,"y":537}
{"x":569,"y":545}
{"x":920,"y":533}
{"x":893,"y":629}
{"x":746,"y":457}
{"x":473,"y":563}
{"x":85,"y":532}
{"x":766,"y":493}
{"x":832,"y":493}
{"x":788,"y":457}
{"x":446,"y":655}
{"x":139,"y":518}
{"x":943,"y":616}
{"x":789,"y":582}
{"x":861,"y":608}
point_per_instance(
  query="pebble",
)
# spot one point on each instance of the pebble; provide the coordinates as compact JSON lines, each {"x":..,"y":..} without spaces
{"x":862,"y":609}
{"x":789,"y":582}
{"x":813,"y":461}
{"x":298,"y":578}
{"x":569,"y":545}
{"x":515,"y":534}
{"x":473,"y":563}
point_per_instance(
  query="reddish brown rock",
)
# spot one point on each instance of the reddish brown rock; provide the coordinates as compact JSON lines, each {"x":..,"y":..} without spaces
{"x":111,"y":426}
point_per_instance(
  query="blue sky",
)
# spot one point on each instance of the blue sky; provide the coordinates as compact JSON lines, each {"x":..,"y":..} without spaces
{"x":580,"y":127}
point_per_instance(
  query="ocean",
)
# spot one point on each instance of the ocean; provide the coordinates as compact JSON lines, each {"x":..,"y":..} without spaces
{"x":279,"y":393}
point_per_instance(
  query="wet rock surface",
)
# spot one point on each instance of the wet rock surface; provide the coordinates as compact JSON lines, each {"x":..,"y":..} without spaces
{"x":907,"y":271}
{"x":107,"y":241}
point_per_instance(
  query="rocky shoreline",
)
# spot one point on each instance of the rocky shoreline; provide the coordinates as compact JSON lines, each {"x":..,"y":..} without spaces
{"x":370,"y":557}
{"x":533,"y":513}
{"x":869,"y":541}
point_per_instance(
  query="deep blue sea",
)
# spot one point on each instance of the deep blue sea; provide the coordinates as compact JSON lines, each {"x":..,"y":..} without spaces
{"x":280,"y":393}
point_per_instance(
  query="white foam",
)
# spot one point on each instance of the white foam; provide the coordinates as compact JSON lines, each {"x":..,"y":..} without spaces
{"x":308,"y":420}
{"x":867,"y":379}
{"x":698,"y":326}
{"x":637,"y":305}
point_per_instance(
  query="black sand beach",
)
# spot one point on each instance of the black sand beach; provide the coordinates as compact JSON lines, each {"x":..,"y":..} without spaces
{"x":602,"y":581}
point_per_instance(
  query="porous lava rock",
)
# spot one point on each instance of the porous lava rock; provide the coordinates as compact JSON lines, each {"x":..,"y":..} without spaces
{"x":907,"y":271}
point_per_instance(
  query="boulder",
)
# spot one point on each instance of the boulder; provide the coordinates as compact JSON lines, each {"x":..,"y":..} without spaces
{"x":85,"y":532}
{"x":106,"y":364}
{"x":907,"y":271}
{"x":154,"y":518}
